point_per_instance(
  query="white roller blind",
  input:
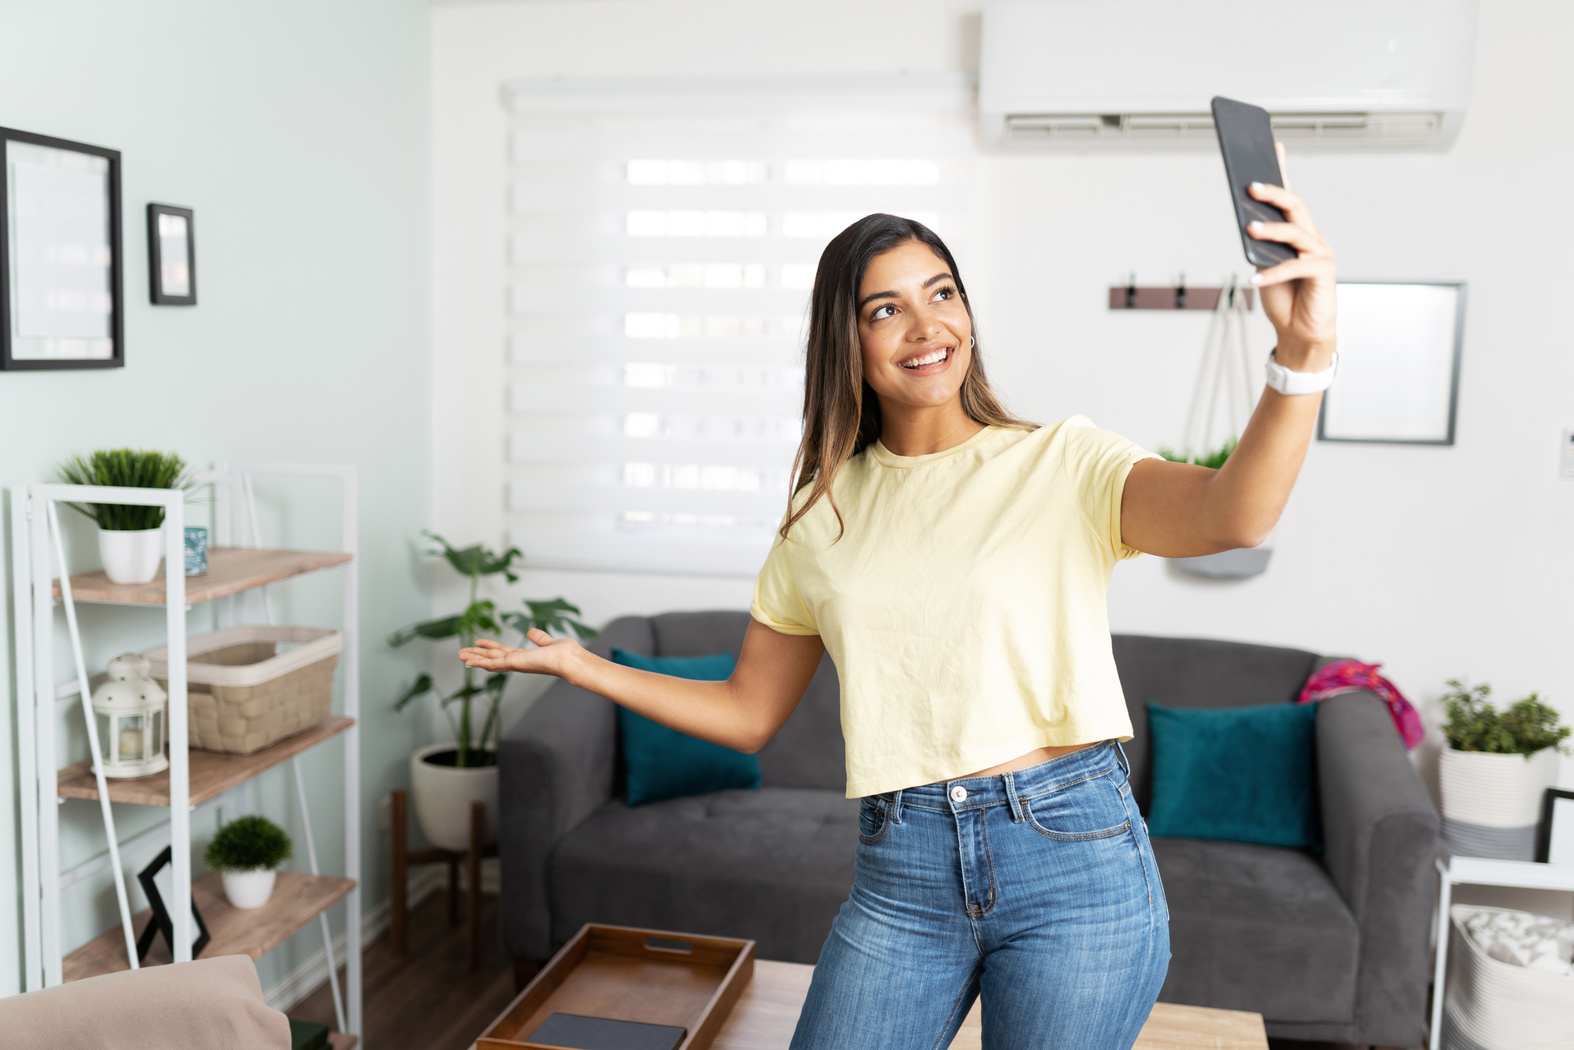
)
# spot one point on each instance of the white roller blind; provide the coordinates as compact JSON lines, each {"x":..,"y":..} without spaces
{"x":662,"y":240}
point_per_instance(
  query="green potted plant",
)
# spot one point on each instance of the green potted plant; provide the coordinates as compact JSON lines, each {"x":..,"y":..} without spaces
{"x":247,"y":853}
{"x":128,"y":536}
{"x":446,"y":777}
{"x":1494,"y":771}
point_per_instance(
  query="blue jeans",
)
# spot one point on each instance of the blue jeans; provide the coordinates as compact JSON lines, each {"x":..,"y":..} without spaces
{"x":1036,"y":890}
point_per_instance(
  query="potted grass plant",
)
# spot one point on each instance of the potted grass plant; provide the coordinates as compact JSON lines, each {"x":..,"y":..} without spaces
{"x":1494,"y":771}
{"x":247,"y":853}
{"x":128,"y":536}
{"x":446,"y":777}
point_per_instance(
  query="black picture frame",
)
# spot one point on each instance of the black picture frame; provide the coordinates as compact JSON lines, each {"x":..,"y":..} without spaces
{"x":13,"y":357}
{"x":1549,"y":815}
{"x":157,"y":290}
{"x":1343,"y":432}
{"x":160,"y":922}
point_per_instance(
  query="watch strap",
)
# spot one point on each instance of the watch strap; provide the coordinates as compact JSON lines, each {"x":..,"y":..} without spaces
{"x":1291,"y":382}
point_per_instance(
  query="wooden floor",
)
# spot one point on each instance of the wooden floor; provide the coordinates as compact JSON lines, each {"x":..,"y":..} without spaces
{"x":428,"y":999}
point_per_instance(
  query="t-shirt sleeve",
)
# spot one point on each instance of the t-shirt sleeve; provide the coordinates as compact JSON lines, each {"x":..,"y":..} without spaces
{"x":1097,"y":465}
{"x":778,"y":603}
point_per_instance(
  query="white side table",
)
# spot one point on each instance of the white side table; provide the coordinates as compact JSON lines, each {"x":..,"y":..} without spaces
{"x":1483,"y":871}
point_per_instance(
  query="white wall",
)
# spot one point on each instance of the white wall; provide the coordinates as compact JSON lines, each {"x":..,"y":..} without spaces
{"x":1435,"y":561}
{"x":299,"y":133}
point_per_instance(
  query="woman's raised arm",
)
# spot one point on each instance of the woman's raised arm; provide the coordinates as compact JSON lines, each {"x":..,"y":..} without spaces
{"x":1178,"y":510}
{"x":742,"y":713}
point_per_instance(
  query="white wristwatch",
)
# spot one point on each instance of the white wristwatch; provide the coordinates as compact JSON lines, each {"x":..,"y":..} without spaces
{"x":1287,"y":381}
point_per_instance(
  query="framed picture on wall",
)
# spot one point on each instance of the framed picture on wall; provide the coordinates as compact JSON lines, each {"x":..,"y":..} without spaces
{"x":172,"y":256}
{"x":1399,"y":349}
{"x":60,"y":263}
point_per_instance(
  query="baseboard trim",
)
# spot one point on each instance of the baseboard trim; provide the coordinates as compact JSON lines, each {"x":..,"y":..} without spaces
{"x":304,"y":979}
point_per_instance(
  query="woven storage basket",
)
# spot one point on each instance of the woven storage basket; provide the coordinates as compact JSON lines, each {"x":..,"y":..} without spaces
{"x":1494,"y":1005}
{"x":243,"y":693}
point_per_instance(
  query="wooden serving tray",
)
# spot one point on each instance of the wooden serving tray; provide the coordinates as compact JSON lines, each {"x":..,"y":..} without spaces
{"x":629,"y":974}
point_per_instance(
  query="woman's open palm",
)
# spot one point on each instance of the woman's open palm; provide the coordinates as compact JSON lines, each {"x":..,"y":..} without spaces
{"x":550,"y":656}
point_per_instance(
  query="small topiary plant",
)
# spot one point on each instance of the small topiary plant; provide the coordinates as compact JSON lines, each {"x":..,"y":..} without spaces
{"x":1475,"y":725}
{"x":248,"y":843}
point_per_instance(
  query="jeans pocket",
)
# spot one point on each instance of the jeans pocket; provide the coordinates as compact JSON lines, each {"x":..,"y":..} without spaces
{"x":873,"y":819}
{"x":1091,"y":808}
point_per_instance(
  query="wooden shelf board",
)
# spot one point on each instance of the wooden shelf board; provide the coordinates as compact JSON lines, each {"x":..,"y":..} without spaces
{"x":341,"y":1040}
{"x":230,"y":571}
{"x":297,"y":899}
{"x":212,"y":772}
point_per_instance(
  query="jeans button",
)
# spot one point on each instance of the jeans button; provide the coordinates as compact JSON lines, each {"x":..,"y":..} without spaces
{"x":959,"y":794}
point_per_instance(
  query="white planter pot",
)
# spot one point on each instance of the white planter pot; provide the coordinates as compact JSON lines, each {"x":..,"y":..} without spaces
{"x":443,"y":795}
{"x":248,"y":889}
{"x":130,"y":557}
{"x":1492,"y":803}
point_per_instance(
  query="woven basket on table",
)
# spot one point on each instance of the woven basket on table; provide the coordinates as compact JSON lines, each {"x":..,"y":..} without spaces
{"x":243,"y":694}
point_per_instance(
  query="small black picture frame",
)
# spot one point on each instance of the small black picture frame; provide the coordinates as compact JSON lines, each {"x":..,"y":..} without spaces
{"x":1555,"y":832}
{"x":61,"y":301}
{"x":172,"y":256}
{"x":159,"y":921}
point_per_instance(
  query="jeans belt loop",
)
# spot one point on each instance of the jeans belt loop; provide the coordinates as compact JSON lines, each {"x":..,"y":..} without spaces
{"x":1125,"y":763}
{"x":1011,"y":795}
{"x":896,"y":807}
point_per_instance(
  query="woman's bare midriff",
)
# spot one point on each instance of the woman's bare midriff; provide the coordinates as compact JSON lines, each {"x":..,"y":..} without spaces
{"x":1032,"y":758}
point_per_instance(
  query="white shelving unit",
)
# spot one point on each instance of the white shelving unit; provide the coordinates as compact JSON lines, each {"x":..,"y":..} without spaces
{"x":196,"y":781}
{"x":1482,"y":871}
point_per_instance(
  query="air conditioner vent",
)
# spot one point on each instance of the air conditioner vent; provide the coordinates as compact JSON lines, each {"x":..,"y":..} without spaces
{"x":1155,"y":128}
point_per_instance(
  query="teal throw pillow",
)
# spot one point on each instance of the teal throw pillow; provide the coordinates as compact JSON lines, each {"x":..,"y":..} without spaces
{"x":664,"y":763}
{"x":1243,"y":774}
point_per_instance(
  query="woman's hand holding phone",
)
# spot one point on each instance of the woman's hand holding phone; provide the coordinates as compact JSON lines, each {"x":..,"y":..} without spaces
{"x":1298,"y":295}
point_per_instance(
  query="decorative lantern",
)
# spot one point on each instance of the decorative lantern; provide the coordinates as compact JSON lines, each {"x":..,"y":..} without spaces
{"x":130,"y":709}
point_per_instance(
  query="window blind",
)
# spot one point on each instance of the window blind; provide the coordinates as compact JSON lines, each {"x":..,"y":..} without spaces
{"x":662,"y":238}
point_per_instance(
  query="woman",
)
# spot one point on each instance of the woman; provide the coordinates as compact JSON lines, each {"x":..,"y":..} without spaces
{"x":954,"y":562}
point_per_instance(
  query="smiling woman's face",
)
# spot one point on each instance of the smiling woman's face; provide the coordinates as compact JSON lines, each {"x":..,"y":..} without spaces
{"x":913,"y":329}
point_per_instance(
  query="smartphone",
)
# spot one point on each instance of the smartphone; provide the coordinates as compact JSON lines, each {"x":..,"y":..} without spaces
{"x":1246,"y":140}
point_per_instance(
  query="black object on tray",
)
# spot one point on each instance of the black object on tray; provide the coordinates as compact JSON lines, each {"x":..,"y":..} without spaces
{"x":308,"y":1035}
{"x":600,"y":1033}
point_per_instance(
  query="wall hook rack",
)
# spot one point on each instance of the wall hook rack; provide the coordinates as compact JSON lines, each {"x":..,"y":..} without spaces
{"x":1177,"y":296}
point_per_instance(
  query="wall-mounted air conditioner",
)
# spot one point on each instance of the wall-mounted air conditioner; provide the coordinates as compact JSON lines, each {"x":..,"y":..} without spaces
{"x":1089,"y":74}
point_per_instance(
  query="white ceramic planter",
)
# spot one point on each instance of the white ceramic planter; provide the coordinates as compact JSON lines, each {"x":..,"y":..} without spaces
{"x":443,"y":795}
{"x":248,"y":889}
{"x":1492,"y":803}
{"x":130,"y":556}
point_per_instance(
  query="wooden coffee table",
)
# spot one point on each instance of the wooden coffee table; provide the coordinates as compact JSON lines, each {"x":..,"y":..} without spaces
{"x":768,"y":1011}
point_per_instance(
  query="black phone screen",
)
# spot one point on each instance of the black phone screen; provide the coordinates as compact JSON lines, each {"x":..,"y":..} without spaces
{"x":1246,"y":140}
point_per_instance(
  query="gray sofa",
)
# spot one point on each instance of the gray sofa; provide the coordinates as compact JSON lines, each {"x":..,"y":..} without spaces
{"x":1331,"y":947}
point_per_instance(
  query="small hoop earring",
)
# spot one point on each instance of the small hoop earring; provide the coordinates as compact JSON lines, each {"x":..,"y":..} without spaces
{"x":971,"y":342}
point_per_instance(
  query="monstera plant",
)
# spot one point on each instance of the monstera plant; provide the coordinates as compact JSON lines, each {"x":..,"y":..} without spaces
{"x":447,"y":777}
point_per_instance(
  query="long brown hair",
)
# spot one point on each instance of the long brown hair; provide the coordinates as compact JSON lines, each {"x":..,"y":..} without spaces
{"x":841,"y":414}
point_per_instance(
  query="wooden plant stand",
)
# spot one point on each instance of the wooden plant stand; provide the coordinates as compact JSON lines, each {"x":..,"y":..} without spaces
{"x":403,"y":856}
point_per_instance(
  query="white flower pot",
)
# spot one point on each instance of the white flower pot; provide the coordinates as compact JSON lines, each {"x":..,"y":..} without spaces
{"x":1492,"y":803}
{"x":443,"y":795}
{"x":248,"y":889}
{"x":130,"y":556}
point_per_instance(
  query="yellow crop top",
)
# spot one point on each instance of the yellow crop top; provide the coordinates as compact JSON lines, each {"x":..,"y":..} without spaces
{"x":965,"y":605}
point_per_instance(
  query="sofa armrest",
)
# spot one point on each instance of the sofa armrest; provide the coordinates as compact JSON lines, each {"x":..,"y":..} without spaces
{"x":556,"y":767}
{"x":1381,"y":839}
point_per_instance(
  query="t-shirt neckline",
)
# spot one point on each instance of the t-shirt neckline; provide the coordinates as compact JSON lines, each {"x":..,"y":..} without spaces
{"x":885,"y":457}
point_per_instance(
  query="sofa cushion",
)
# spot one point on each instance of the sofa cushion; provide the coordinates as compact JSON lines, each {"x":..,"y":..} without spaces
{"x":1257,"y":928}
{"x":198,"y":1005}
{"x":772,"y":865}
{"x":1198,"y":672}
{"x":661,"y":762}
{"x":1243,"y":774}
